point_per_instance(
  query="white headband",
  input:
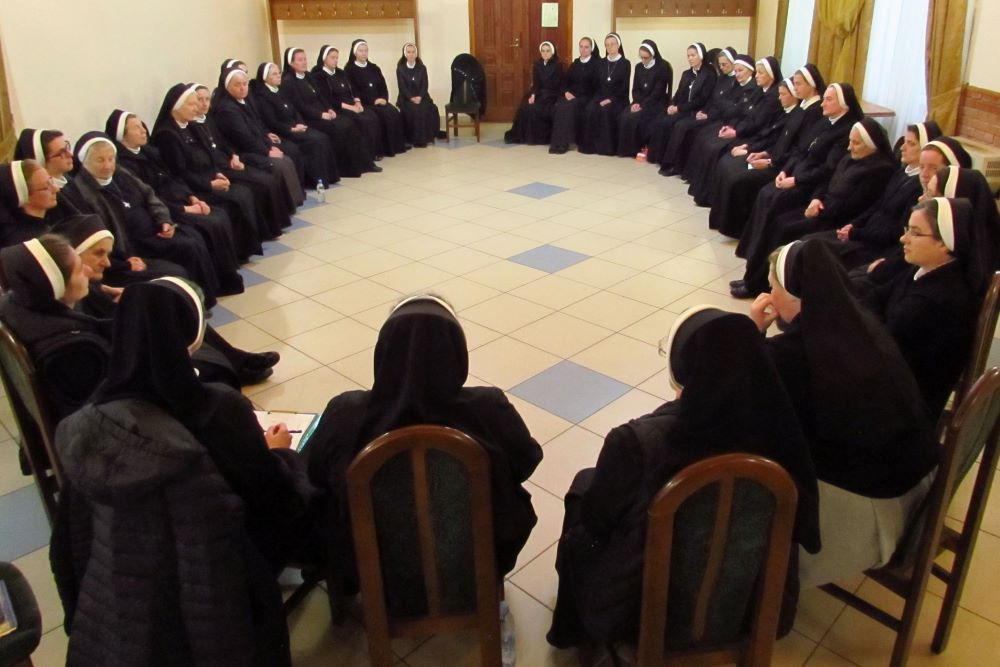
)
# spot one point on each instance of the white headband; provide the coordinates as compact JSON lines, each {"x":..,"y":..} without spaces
{"x":20,"y":185}
{"x":674,"y":328}
{"x":425,"y":297}
{"x":291,"y":54}
{"x":229,"y":77}
{"x":354,"y":50}
{"x":807,"y":75}
{"x":49,"y":267}
{"x":767,"y":65}
{"x":921,"y":133}
{"x":946,"y":223}
{"x":120,"y":127}
{"x":745,"y":62}
{"x":791,"y":87}
{"x":197,"y":304}
{"x":779,"y":265}
{"x":865,"y":136}
{"x":36,"y":144}
{"x":551,"y":46}
{"x":267,"y":70}
{"x":697,"y":47}
{"x":81,"y":153}
{"x":646,"y":44}
{"x":326,"y":52}
{"x":728,"y":54}
{"x":617,"y":38}
{"x":946,"y":150}
{"x":97,"y":236}
{"x":186,"y":94}
{"x":951,"y":185}
{"x":840,"y":94}
{"x":230,"y":63}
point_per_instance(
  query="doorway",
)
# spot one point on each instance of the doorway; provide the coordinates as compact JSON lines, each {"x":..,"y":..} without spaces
{"x":505,"y":35}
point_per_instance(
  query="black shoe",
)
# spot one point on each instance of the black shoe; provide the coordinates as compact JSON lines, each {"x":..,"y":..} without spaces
{"x":740,"y":292}
{"x":375,"y":169}
{"x":558,"y":150}
{"x":257,"y":361}
{"x":667,"y":171}
{"x":442,"y":135}
{"x":737,"y":283}
{"x":249,"y":377}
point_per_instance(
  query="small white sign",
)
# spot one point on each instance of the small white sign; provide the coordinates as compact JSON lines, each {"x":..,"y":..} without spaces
{"x":550,"y":14}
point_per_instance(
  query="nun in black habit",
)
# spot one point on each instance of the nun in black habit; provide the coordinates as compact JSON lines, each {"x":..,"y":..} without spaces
{"x":421,"y":365}
{"x":50,"y":149}
{"x":650,"y":92}
{"x":578,"y":86}
{"x":421,"y":116}
{"x":732,"y":400}
{"x":281,"y":118}
{"x":751,"y":114}
{"x":355,"y":155}
{"x":27,"y":195}
{"x":371,"y":89}
{"x":983,"y":253}
{"x":214,"y":224}
{"x":334,"y":86}
{"x":857,"y":183}
{"x":599,"y":133}
{"x":533,"y":120}
{"x":738,"y":181}
{"x":236,"y":117}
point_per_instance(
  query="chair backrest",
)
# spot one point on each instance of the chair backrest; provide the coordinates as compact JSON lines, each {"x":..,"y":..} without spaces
{"x":717,"y":548}
{"x":983,"y":340}
{"x":421,"y":516}
{"x":31,"y":411}
{"x":468,"y":81}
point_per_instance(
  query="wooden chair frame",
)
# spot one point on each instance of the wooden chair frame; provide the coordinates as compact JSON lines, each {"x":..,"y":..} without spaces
{"x":983,"y":341}
{"x":451,"y":122}
{"x":723,"y":470}
{"x":417,"y":441}
{"x":909,"y":578}
{"x":30,"y":406}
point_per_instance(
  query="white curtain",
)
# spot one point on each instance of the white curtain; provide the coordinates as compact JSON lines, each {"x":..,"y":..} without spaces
{"x":798,"y":28}
{"x":895,"y":75}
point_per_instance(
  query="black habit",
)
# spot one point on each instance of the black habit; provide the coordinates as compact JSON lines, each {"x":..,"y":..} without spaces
{"x":599,"y":133}
{"x":422,"y":120}
{"x":533,"y":120}
{"x":369,"y":85}
{"x":567,"y":115}
{"x":649,"y":91}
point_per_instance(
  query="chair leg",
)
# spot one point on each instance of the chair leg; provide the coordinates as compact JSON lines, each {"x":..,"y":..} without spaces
{"x":477,"y":128}
{"x":454,"y":118}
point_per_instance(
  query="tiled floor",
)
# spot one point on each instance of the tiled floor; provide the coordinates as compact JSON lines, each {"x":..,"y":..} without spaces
{"x":566,"y":271}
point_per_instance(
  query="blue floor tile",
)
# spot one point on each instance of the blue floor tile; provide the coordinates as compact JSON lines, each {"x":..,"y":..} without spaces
{"x":221,"y":316}
{"x":23,"y":525}
{"x":537,"y":190}
{"x":272,"y":248}
{"x":297,"y":223}
{"x":570,"y":391}
{"x":251,"y":277}
{"x":549,"y":258}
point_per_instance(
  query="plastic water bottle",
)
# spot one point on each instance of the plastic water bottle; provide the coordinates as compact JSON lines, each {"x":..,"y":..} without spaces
{"x":508,"y":647}
{"x":321,"y":190}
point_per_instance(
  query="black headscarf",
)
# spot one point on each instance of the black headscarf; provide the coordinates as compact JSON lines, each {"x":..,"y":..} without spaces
{"x":115,"y":125}
{"x":952,"y":150}
{"x":354,"y":45}
{"x":224,"y":77}
{"x":772,"y":65}
{"x":230,"y":63}
{"x":702,"y":51}
{"x":813,"y":76}
{"x":872,"y":131}
{"x":734,"y":400}
{"x":618,"y":38}
{"x":165,"y":119}
{"x":83,"y":231}
{"x":864,"y":399}
{"x":983,"y":251}
{"x":286,"y":61}
{"x":402,"y":58}
{"x":29,"y":146}
{"x":926,"y":132}
{"x":33,"y":276}
{"x":155,"y":325}
{"x":848,"y":99}
{"x":86,"y":141}
{"x":595,"y":50}
{"x":14,"y":191}
{"x":650,"y":46}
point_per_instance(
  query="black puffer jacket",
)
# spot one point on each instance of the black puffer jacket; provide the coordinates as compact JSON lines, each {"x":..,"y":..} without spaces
{"x":150,"y":552}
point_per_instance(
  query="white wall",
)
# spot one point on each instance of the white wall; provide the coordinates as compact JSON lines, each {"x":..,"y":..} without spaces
{"x":70,"y":62}
{"x":982,"y":70}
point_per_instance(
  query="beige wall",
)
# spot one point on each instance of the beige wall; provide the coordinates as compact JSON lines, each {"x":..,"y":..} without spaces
{"x":70,"y":62}
{"x":982,"y":67}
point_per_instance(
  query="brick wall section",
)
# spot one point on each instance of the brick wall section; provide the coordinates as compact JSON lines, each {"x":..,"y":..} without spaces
{"x":979,"y":115}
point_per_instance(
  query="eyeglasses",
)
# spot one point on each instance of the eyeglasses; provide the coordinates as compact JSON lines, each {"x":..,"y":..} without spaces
{"x":914,"y":233}
{"x":49,"y":185}
{"x":65,"y":151}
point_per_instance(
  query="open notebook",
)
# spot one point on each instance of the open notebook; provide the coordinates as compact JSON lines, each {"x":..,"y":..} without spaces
{"x":300,"y":424}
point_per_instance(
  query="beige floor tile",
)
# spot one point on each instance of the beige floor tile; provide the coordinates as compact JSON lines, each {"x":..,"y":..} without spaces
{"x":51,"y":652}
{"x":307,"y":393}
{"x":428,"y":222}
{"x":293,"y":364}
{"x":384,"y":235}
{"x":614,"y":206}
{"x":597,"y":272}
{"x":792,"y":651}
{"x":259,"y":298}
{"x":477,"y":335}
{"x":636,"y":256}
{"x":706,"y":297}
{"x":11,"y":478}
{"x":506,"y":362}
{"x":36,"y":569}
{"x":623,"y":358}
{"x":626,"y":229}
{"x":659,"y":385}
{"x":652,"y":289}
{"x":505,"y":313}
{"x":718,"y":252}
{"x":420,"y":247}
{"x":284,"y":264}
{"x":549,"y":509}
{"x":359,"y":367}
{"x":531,"y":622}
{"x":554,"y":291}
{"x":294,"y":318}
{"x":816,"y":613}
{"x":459,"y":261}
{"x":411,"y":278}
{"x":465,"y":233}
{"x":504,"y":200}
{"x":671,"y":241}
{"x":545,"y":231}
{"x":539,"y":578}
{"x":824,"y":657}
{"x":367,"y":264}
{"x":562,"y":335}
{"x":652,"y":329}
{"x":589,"y":243}
{"x":610,"y":310}
{"x":979,"y":592}
{"x":308,"y":236}
{"x":246,"y":336}
{"x":357,"y":296}
{"x":374,"y":317}
{"x":542,"y":424}
{"x":564,"y":456}
{"x":689,"y":270}
{"x":632,"y":405}
{"x":335,"y":340}
{"x":504,"y":245}
{"x":505,"y":275}
{"x":541,"y":210}
{"x":960,"y":504}
{"x":436,"y":202}
{"x":503,"y":220}
{"x":338,"y":249}
{"x":581,"y":218}
{"x":392,"y":213}
{"x":469,"y":211}
{"x":463,"y":293}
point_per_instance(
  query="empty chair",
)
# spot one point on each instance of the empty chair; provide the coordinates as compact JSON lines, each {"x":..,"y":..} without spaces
{"x":468,"y":92}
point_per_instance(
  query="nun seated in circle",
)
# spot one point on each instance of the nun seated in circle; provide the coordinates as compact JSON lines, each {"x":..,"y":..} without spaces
{"x":51,"y":150}
{"x":141,"y":222}
{"x":179,"y":510}
{"x":533,"y":120}
{"x":578,"y":87}
{"x":371,"y":89}
{"x":27,"y":194}
{"x":730,"y":398}
{"x":692,"y":93}
{"x":216,"y":360}
{"x":857,"y":183}
{"x":653,"y":76}
{"x":421,"y":365}
{"x":859,"y":406}
{"x":421,"y":116}
{"x":599,"y":133}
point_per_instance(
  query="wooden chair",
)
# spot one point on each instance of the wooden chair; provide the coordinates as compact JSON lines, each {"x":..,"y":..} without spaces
{"x":730,"y":499}
{"x":466,"y":104}
{"x":468,"y":93}
{"x":32,"y":414}
{"x":975,"y":427}
{"x":422,"y":522}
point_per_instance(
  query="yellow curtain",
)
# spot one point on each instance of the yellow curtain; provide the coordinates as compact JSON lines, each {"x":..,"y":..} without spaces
{"x":945,"y":40}
{"x":839,"y":41}
{"x":7,"y":135}
{"x":779,"y":32}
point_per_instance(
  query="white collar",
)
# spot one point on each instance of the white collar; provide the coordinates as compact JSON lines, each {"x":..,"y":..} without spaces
{"x":791,"y":108}
{"x":587,"y":60}
{"x":180,"y":124}
{"x":361,"y":64}
{"x":615,"y":59}
{"x":242,"y":101}
{"x":834,"y":119}
{"x":61,"y":181}
{"x":650,"y":64}
{"x":328,"y":70}
{"x":912,"y":171}
{"x":103,"y":182}
{"x":273,"y":89}
{"x":133,"y":151}
{"x":201,"y":119}
{"x":805,"y":104}
{"x":300,"y":75}
{"x":409,"y":66}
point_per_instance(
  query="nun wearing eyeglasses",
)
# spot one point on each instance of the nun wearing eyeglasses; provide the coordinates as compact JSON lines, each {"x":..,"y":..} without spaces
{"x":421,"y":116}
{"x":533,"y":120}
{"x":730,"y":398}
{"x":650,"y":92}
{"x":27,"y":195}
{"x":371,"y":89}
{"x":599,"y":133}
{"x":51,"y":150}
{"x":421,"y":365}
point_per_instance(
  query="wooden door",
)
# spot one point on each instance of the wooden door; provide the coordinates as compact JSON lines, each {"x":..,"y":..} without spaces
{"x":505,"y":38}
